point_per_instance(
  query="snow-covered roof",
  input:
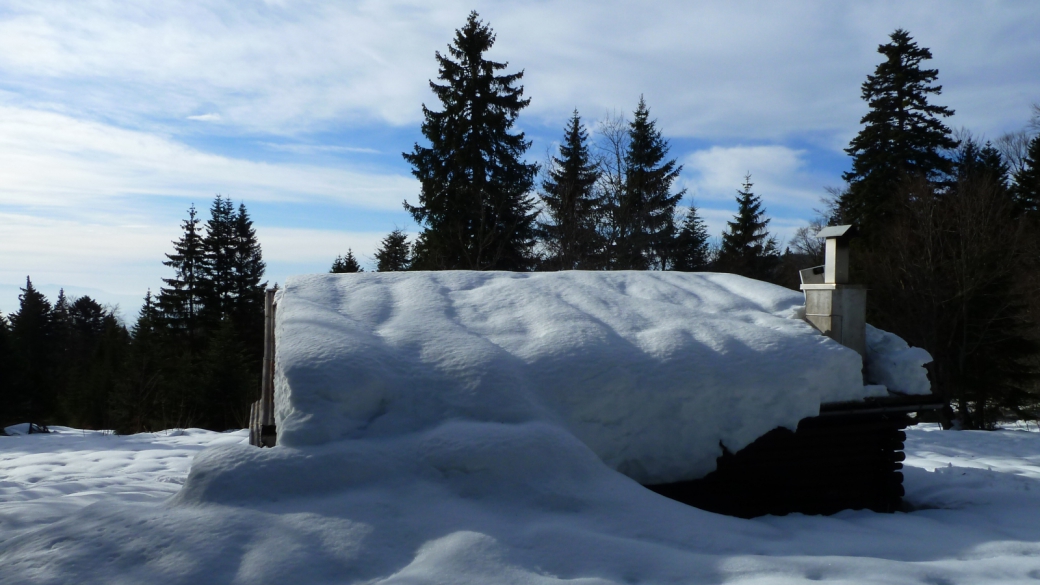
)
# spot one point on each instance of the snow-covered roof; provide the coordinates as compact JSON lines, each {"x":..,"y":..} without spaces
{"x":650,"y":370}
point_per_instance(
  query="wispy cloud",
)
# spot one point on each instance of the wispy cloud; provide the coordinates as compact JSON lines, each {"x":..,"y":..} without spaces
{"x":710,"y":69}
{"x":205,"y":118}
{"x":319,"y":148}
{"x":53,"y":160}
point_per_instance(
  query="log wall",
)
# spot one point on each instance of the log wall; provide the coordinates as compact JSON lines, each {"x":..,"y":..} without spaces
{"x":849,"y":457}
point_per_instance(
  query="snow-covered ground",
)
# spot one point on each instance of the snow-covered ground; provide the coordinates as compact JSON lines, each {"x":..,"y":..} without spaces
{"x":460,"y":427}
{"x":88,"y":507}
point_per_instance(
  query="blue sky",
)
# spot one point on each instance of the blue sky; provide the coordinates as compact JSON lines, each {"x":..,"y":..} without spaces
{"x":115,"y":117}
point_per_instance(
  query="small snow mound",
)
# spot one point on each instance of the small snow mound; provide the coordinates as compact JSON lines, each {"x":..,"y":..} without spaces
{"x":891,"y":362}
{"x":530,"y":461}
{"x":25,"y":429}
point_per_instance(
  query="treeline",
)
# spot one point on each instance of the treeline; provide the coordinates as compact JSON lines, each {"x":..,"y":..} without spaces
{"x":949,"y":246}
{"x":604,"y":204}
{"x":191,"y":358}
{"x":950,"y":238}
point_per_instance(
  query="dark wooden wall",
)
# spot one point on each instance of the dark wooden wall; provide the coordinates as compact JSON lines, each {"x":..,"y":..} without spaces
{"x":847,"y":458}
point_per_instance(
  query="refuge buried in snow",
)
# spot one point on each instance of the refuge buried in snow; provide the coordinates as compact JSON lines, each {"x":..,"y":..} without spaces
{"x":662,"y":375}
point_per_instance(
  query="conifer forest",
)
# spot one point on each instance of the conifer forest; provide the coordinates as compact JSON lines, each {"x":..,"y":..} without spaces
{"x":949,"y":246}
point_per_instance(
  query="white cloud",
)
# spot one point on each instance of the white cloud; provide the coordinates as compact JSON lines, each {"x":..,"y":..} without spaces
{"x":779,"y":174}
{"x":53,"y":160}
{"x":709,"y":69}
{"x":115,"y":258}
{"x":319,"y":148}
{"x":289,"y":245}
{"x":206,"y":117}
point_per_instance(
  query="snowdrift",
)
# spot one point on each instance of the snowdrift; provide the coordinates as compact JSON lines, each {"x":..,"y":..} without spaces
{"x":469,"y":428}
{"x":651,"y":371}
{"x":892,"y":363}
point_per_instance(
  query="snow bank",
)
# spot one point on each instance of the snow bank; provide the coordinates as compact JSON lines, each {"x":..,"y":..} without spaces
{"x":892,"y":363}
{"x":651,"y":371}
{"x":88,"y":508}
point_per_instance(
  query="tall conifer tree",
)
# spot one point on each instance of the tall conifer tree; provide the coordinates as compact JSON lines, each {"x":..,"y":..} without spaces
{"x":690,"y":251}
{"x":747,"y":248}
{"x":182,"y":298}
{"x":572,"y":206}
{"x":474,"y":202}
{"x":31,"y":336}
{"x":247,"y":285}
{"x":646,"y":209}
{"x":394,"y":253}
{"x":218,"y":271}
{"x":903,"y":134}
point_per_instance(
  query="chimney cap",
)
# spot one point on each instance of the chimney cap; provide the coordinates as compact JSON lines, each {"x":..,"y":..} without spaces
{"x":842,"y":232}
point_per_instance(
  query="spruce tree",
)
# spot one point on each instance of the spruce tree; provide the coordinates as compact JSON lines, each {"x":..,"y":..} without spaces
{"x":219,"y":246}
{"x":394,"y":253}
{"x":981,"y":163}
{"x":747,"y":248}
{"x":646,"y":209}
{"x":61,"y":324}
{"x":1026,"y":188}
{"x":31,"y":336}
{"x":473,"y":204}
{"x":248,"y":287}
{"x":902,"y":134}
{"x":248,"y":267}
{"x":63,"y":350}
{"x":572,"y":207}
{"x":690,"y":251}
{"x":348,"y":263}
{"x":182,"y":299}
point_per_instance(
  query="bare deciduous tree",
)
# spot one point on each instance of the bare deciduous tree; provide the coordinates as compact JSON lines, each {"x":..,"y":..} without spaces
{"x":611,"y":145}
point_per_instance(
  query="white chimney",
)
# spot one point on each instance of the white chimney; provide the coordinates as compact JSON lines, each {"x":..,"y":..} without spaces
{"x":832,"y":305}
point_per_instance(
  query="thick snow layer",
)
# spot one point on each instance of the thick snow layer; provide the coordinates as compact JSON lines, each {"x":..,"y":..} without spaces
{"x":892,"y":363}
{"x":469,"y":428}
{"x":652,"y":371}
{"x":92,"y":508}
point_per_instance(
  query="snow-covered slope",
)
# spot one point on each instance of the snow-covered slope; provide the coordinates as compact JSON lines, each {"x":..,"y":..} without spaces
{"x":87,"y":508}
{"x":650,"y":370}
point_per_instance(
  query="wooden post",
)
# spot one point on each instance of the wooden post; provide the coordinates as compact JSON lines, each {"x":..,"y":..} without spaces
{"x":254,"y":424}
{"x":268,"y":435}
